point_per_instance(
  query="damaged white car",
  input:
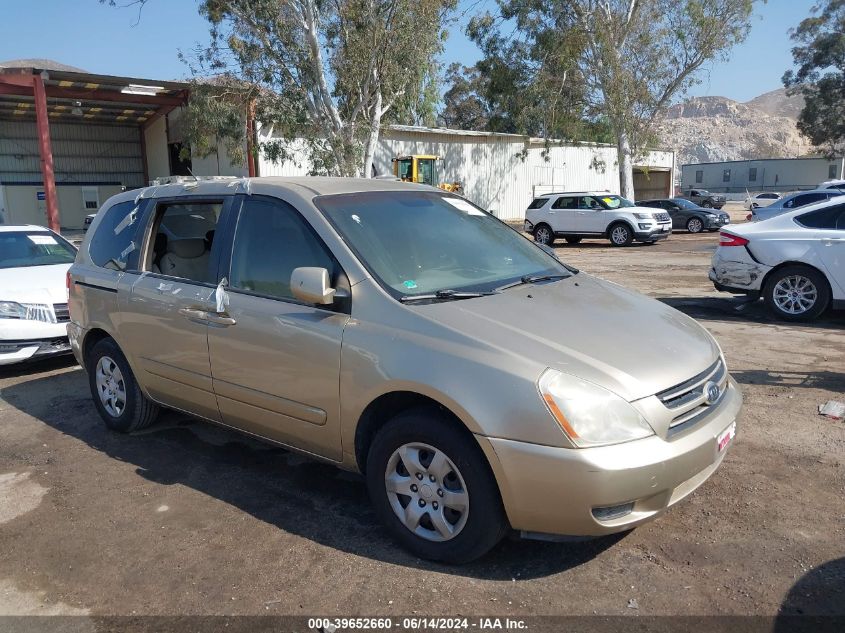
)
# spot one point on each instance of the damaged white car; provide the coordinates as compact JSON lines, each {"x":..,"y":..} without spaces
{"x":33,"y":293}
{"x":795,"y":261}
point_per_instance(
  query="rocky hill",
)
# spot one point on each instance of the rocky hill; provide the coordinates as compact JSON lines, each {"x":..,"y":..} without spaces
{"x":709,"y":129}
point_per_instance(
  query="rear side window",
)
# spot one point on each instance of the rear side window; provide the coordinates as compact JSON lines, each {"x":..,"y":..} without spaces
{"x":565,"y":203}
{"x":114,"y":245}
{"x":536,"y":203}
{"x":830,"y":218}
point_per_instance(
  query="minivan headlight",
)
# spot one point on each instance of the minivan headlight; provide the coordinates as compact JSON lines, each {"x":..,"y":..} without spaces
{"x":590,"y":415}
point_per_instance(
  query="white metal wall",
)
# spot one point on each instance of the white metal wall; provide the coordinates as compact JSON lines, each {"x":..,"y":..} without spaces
{"x":499,"y":173}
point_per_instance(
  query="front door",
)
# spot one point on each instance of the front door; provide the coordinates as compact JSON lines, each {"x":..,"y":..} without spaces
{"x":591,"y":216}
{"x":276,"y":363}
{"x":162,"y":323}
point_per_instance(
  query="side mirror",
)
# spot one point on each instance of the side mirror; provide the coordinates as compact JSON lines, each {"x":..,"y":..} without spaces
{"x":312,"y":285}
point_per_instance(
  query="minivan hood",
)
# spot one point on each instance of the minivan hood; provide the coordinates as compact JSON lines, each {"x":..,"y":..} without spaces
{"x":594,"y":329}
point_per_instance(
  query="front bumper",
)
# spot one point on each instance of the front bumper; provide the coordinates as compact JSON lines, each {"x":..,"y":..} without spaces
{"x":718,"y":222}
{"x":20,"y":351}
{"x":555,"y":491}
{"x":655,"y":233}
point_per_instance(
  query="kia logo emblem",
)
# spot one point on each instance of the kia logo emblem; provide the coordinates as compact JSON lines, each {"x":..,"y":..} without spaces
{"x":711,"y":392}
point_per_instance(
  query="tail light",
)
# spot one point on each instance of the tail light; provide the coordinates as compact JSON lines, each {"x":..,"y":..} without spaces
{"x":729,"y":239}
{"x":68,"y":284}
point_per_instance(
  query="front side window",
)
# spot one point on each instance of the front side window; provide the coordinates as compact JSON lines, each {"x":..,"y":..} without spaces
{"x":114,"y":245}
{"x":808,"y":198}
{"x":271,"y":239}
{"x":183,"y":239}
{"x":418,"y":243}
{"x":22,"y":249}
{"x":831,"y":218}
{"x":682,"y":203}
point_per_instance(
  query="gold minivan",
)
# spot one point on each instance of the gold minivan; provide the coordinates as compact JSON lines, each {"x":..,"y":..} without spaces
{"x":479,"y":384}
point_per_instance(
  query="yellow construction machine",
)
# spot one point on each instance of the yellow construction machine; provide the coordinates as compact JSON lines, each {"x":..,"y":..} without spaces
{"x":422,"y":168}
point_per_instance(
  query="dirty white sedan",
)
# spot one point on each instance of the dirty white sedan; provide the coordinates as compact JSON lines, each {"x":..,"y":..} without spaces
{"x":795,"y":261}
{"x":33,"y":294}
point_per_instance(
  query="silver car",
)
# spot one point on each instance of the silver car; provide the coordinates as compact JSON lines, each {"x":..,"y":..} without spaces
{"x":793,"y":201}
{"x":479,"y":384}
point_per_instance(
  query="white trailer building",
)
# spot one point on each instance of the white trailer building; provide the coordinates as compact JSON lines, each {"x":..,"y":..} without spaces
{"x":504,"y":172}
{"x":769,"y":174}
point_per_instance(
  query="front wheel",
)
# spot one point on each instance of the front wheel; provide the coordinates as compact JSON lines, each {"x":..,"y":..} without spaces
{"x":543,"y":234}
{"x":797,"y":293}
{"x":117,"y":396}
{"x":432,"y":488}
{"x":695,"y":225}
{"x":707,"y":204}
{"x":621,"y":234}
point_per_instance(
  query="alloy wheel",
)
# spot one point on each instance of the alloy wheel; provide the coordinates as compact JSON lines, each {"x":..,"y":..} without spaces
{"x":619,"y":235}
{"x":795,"y":294}
{"x":110,"y":386}
{"x":695,"y":225}
{"x":543,"y":235}
{"x":427,"y":492}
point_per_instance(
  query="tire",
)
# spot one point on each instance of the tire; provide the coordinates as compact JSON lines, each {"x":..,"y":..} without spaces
{"x":620,"y":234}
{"x":695,"y":225}
{"x":707,"y":204}
{"x":543,"y":234}
{"x":573,"y":240}
{"x":811,"y":298}
{"x":109,"y":373}
{"x":469,"y":534}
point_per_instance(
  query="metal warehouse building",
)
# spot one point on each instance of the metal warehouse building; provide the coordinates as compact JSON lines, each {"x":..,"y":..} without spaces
{"x":503,"y":172}
{"x":770,"y":174}
{"x":69,"y":140}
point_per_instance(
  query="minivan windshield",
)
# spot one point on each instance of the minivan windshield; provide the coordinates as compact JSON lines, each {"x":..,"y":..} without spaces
{"x":421,"y":243}
{"x":19,"y":249}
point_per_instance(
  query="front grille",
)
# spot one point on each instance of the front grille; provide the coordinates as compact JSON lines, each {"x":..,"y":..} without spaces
{"x":661,"y":217}
{"x":62,"y":312}
{"x":688,"y":398}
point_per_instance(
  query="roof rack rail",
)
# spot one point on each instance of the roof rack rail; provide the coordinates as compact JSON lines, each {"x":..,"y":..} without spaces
{"x":176,"y":180}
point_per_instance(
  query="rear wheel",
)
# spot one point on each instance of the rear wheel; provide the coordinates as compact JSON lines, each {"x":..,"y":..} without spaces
{"x":573,"y":240}
{"x":432,"y":488}
{"x":620,"y":234}
{"x":117,"y":396}
{"x":543,"y":234}
{"x":695,"y":225}
{"x":797,"y":293}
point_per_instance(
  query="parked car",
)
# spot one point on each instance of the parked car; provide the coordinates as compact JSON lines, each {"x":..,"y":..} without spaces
{"x":687,"y":215}
{"x":795,"y":261}
{"x":832,"y":184}
{"x":33,"y":295}
{"x":578,"y":215}
{"x":794,"y":201}
{"x":704,"y":198}
{"x":86,"y":223}
{"x":763,"y":199}
{"x":381,"y":326}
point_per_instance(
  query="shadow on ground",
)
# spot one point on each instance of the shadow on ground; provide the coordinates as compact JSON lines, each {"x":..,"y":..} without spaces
{"x":300,"y":496}
{"x":828,"y":380}
{"x":740,"y":309}
{"x":818,"y":599}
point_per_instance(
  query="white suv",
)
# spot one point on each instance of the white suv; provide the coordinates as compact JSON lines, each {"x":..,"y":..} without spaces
{"x":584,"y":214}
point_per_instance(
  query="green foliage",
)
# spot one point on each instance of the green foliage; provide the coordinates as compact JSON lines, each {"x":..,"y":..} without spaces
{"x":820,"y":76}
{"x":328,"y":72}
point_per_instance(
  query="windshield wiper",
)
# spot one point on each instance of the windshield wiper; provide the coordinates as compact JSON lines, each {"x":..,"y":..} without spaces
{"x":531,"y":279}
{"x":445,"y":295}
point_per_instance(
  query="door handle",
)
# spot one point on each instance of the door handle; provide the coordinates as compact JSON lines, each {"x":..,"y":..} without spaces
{"x":193,"y":313}
{"x":219,"y":319}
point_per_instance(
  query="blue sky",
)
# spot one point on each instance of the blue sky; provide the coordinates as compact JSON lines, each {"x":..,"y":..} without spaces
{"x":107,"y":40}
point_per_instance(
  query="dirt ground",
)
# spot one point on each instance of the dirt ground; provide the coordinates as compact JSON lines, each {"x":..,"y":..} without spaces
{"x":186,"y":518}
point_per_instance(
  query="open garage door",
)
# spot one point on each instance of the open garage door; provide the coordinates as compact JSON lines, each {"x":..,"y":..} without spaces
{"x":652,"y":183}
